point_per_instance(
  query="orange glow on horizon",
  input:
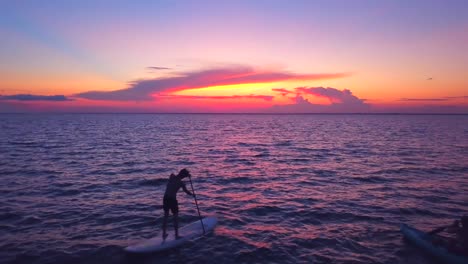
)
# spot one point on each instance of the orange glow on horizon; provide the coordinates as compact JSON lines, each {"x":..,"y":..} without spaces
{"x":53,"y":85}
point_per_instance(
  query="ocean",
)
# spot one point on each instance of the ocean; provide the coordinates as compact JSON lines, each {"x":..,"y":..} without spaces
{"x":78,"y":188}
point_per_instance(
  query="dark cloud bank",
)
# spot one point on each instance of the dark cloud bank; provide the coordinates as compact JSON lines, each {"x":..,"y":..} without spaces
{"x":32,"y":97}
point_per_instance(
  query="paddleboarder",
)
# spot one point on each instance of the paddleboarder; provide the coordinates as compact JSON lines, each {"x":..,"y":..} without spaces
{"x":190,"y":231}
{"x":170,"y":199}
{"x":457,"y":244}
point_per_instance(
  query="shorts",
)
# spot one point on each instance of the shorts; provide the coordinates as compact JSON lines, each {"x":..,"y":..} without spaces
{"x":170,"y":203}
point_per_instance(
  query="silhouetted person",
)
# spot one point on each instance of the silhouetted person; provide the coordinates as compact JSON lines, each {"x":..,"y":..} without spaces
{"x":459,"y":244}
{"x":170,"y":199}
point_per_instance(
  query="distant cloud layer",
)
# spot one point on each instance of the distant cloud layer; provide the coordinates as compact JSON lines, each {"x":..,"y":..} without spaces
{"x":158,"y":68}
{"x":448,"y":98}
{"x":31,"y":97}
{"x":143,"y":90}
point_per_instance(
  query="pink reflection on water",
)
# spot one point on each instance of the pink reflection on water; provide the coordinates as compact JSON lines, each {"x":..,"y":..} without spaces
{"x":241,"y":235}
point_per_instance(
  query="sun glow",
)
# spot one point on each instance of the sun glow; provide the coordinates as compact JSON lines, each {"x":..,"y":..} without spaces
{"x":230,"y":90}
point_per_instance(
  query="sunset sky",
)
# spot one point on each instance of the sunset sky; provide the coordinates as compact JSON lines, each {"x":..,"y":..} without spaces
{"x":268,"y":56}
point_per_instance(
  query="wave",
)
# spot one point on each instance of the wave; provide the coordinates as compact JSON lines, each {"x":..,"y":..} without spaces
{"x":30,"y":172}
{"x":9,"y":216}
{"x":260,"y":210}
{"x":29,"y":220}
{"x":239,"y":179}
{"x":68,"y":192}
{"x":153,"y":182}
{"x":413,"y":211}
{"x":241,"y":161}
{"x":371,"y":179}
{"x":423,"y":170}
{"x":315,"y":217}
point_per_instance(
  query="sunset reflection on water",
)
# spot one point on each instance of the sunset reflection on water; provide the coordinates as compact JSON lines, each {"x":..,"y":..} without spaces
{"x":285,"y":188}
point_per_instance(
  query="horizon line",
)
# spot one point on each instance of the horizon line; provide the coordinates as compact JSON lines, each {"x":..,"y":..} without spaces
{"x":226,"y":113}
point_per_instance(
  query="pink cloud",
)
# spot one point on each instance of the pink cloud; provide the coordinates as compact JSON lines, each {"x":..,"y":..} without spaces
{"x":282,"y":91}
{"x":334,"y":95}
{"x":342,"y":101}
{"x":142,"y":90}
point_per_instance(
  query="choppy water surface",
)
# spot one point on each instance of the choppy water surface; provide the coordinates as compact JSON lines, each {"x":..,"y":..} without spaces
{"x":286,"y":188}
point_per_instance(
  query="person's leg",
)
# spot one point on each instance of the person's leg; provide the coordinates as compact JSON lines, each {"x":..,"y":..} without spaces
{"x":166,"y":207}
{"x":176,"y":225}
{"x":175,"y":212}
{"x":166,"y":215}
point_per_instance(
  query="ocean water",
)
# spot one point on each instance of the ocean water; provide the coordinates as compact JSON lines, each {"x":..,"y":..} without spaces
{"x":78,"y":188}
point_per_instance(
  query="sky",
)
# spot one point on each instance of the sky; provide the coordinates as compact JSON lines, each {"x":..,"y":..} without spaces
{"x":234,"y":56}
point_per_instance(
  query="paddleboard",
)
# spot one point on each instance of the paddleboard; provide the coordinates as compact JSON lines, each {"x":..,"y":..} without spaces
{"x":423,"y":240}
{"x":189,"y":232}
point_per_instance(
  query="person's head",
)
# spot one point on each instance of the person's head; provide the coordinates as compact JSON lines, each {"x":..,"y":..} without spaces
{"x":464,"y":221}
{"x":183,"y":173}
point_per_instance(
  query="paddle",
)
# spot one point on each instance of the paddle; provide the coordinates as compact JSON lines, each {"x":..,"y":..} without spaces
{"x":196,"y":203}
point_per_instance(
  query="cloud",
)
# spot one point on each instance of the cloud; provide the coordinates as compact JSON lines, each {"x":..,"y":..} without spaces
{"x":458,"y":97}
{"x":441,"y":99}
{"x":342,"y":101}
{"x":423,"y":99}
{"x":158,"y":68}
{"x":282,"y":91}
{"x":142,"y":90}
{"x":31,"y":97}
{"x":334,"y":95}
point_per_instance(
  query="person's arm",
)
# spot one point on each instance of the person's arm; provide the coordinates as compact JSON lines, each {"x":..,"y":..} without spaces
{"x":450,"y":228}
{"x":454,"y":228}
{"x":186,"y":190}
{"x":437,"y":230}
